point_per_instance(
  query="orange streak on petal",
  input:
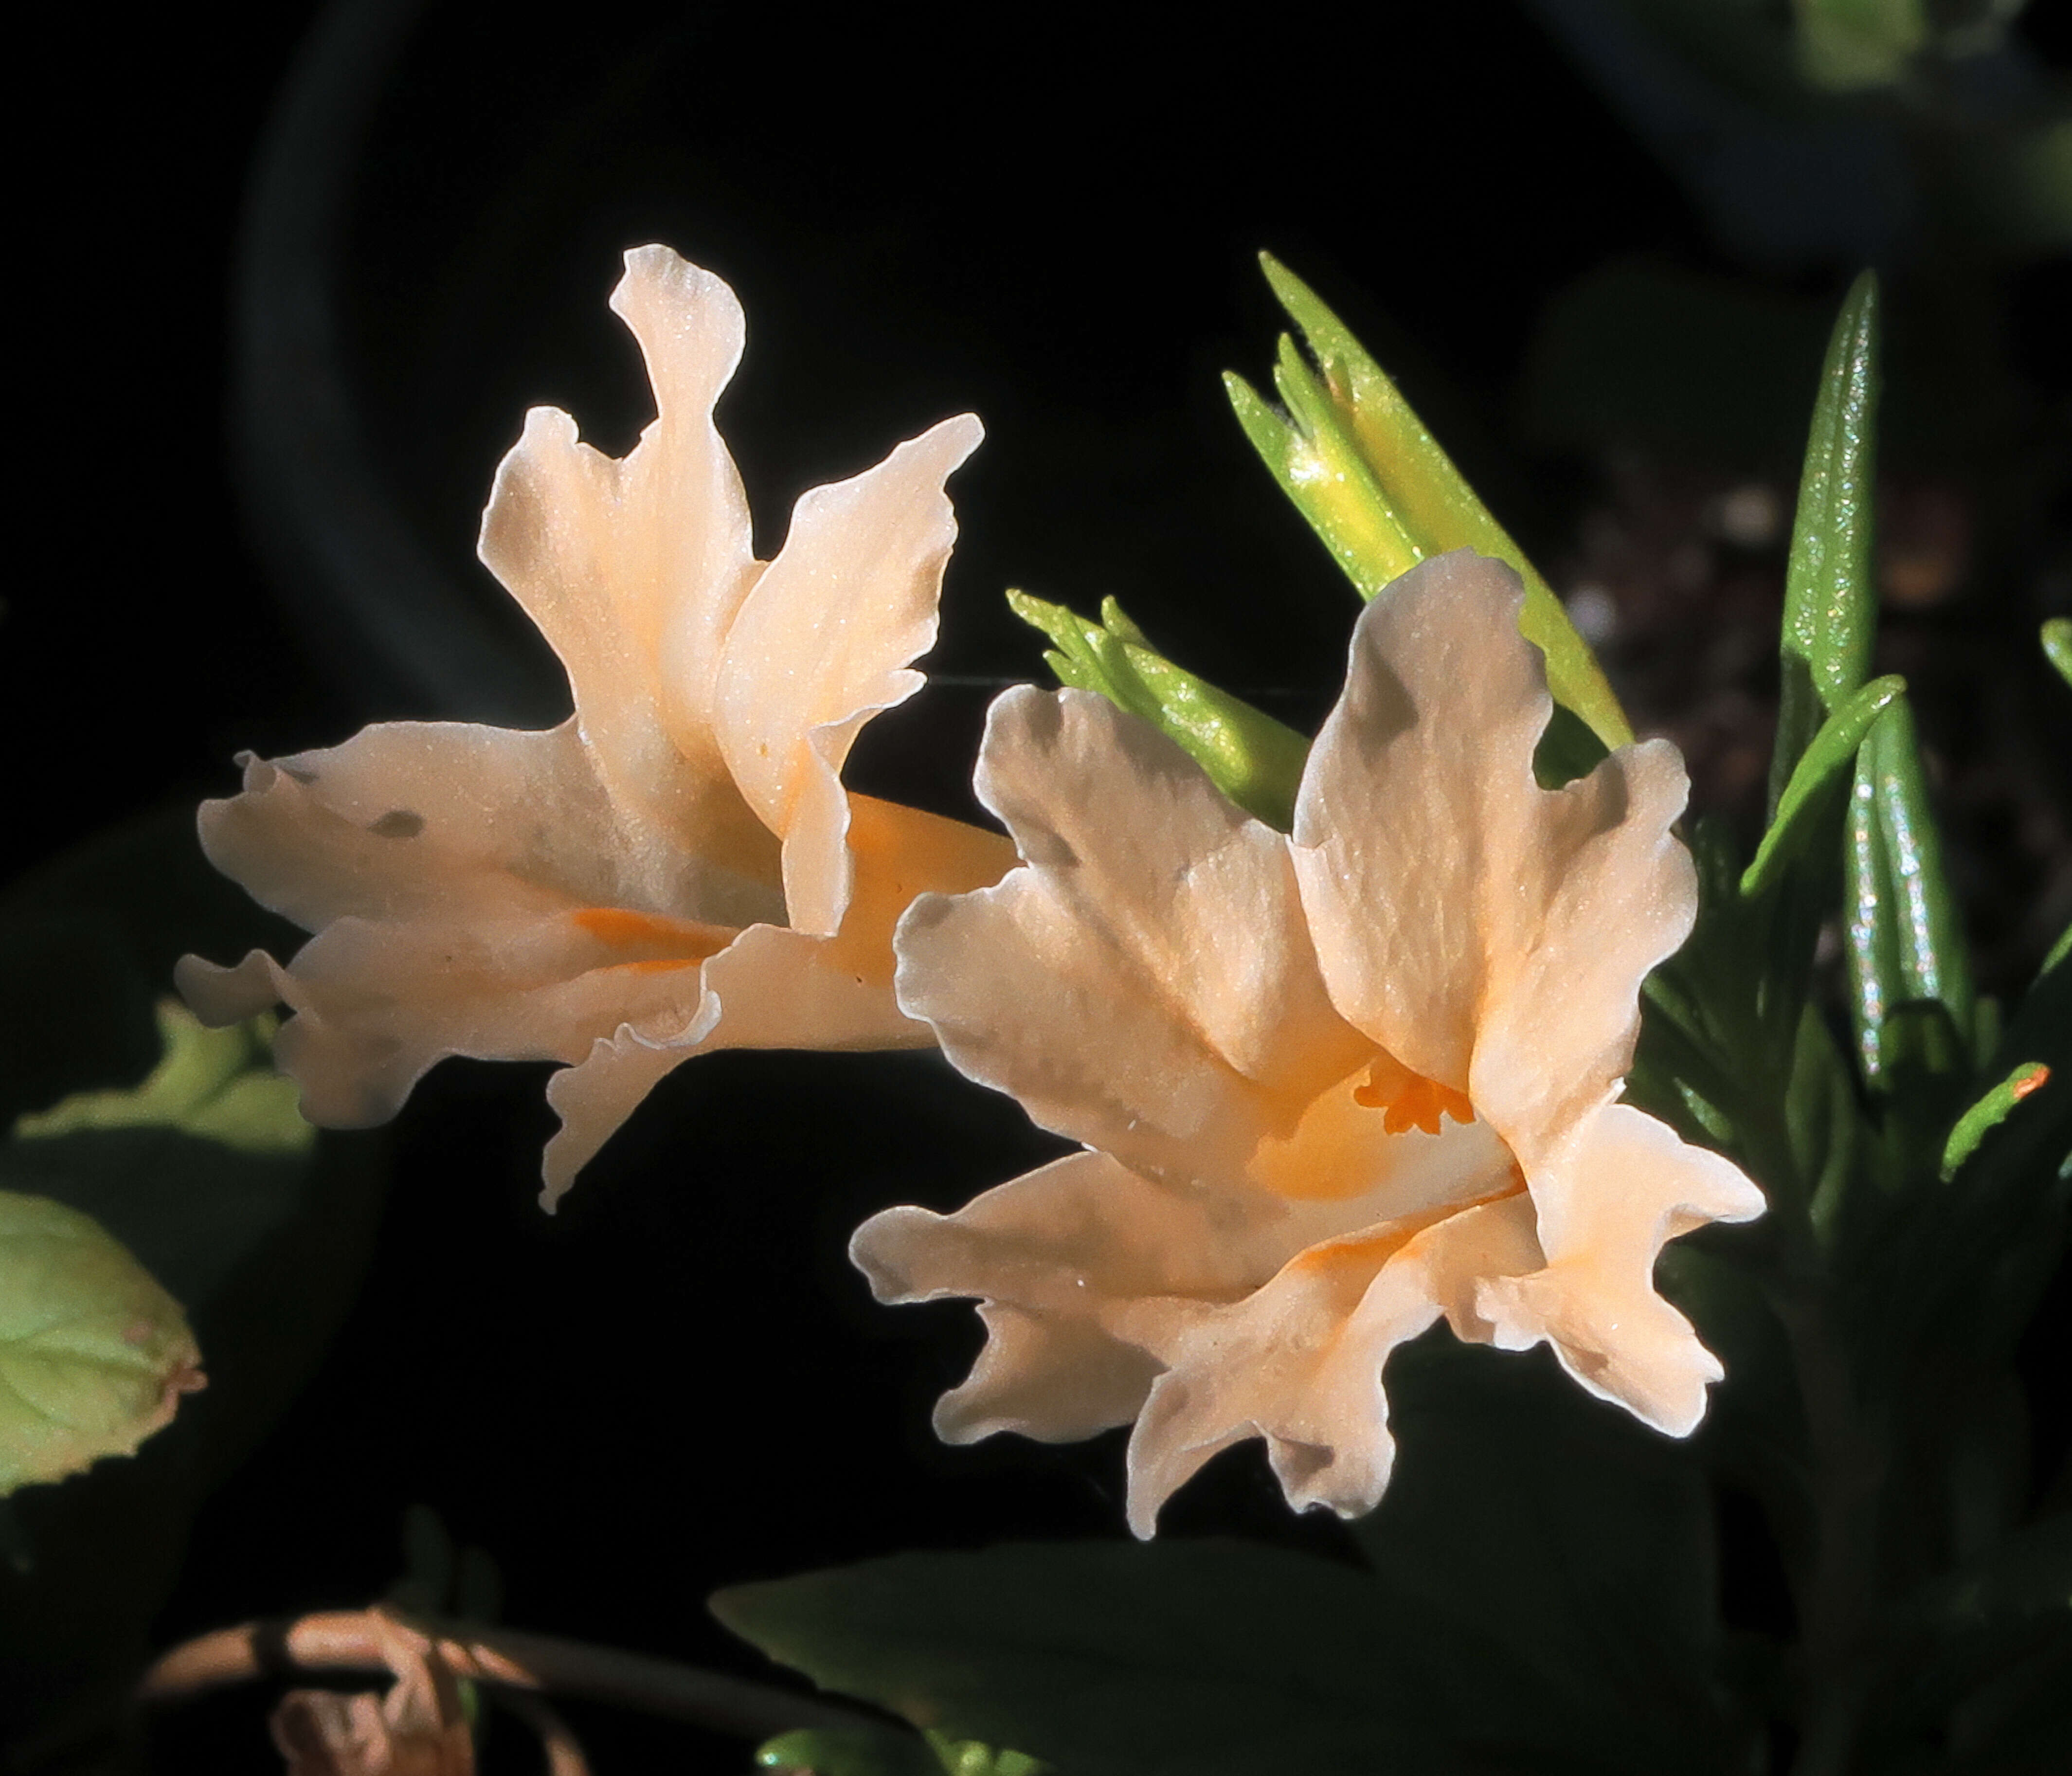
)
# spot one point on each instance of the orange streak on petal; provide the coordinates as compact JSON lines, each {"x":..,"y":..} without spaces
{"x":680,"y":940}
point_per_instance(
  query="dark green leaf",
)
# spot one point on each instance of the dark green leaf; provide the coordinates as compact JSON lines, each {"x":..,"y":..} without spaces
{"x":1830,"y":595}
{"x":1173,"y":1659}
{"x":1558,"y":1524}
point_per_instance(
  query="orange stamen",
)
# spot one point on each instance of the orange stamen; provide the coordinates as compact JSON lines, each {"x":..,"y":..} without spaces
{"x":1408,"y":1100}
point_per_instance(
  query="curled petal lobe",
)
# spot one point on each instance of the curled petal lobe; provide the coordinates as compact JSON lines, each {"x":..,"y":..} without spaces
{"x":824,"y":641}
{"x":635,"y":569}
{"x":1300,"y":1361}
{"x":1625,"y":1186}
{"x":771,"y":988}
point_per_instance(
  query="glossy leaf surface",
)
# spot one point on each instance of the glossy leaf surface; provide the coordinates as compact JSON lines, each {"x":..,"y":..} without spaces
{"x":1830,"y":593}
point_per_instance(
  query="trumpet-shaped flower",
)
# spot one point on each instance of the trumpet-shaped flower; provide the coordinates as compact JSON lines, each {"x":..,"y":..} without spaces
{"x":677,"y":867}
{"x":1329,"y":1090}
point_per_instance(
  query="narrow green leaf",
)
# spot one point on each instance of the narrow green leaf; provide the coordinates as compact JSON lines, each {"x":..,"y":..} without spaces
{"x":2058,"y":950}
{"x":94,"y":1355}
{"x":1831,"y":594}
{"x":1903,"y":937}
{"x":1820,"y":768}
{"x":1989,"y":1113}
{"x":1253,"y":759}
{"x":1427,"y":499}
{"x":2057,"y":646}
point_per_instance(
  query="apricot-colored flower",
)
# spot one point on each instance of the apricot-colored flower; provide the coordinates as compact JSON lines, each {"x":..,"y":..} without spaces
{"x":677,"y":867}
{"x":1331,"y":1089}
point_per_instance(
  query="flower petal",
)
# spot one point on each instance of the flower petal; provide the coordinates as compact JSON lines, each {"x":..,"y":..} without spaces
{"x":1063,"y":1258}
{"x":1300,"y":1362}
{"x":1490,"y":935}
{"x":635,"y":569}
{"x":771,"y":988}
{"x":469,"y":883}
{"x":1625,"y":1185}
{"x":1144,"y":984}
{"x":408,"y":818}
{"x":823,"y":644}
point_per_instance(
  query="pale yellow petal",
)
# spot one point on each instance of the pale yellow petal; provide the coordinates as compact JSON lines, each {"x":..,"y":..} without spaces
{"x":1623,"y":1186}
{"x":824,"y":642}
{"x":635,"y":569}
{"x":1144,"y":983}
{"x":1490,"y":935}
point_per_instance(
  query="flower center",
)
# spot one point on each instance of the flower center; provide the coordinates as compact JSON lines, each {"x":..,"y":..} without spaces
{"x":1338,"y":1149}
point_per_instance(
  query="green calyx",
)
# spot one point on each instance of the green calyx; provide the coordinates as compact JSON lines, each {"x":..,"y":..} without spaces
{"x":1383,"y":494}
{"x":1253,"y":759}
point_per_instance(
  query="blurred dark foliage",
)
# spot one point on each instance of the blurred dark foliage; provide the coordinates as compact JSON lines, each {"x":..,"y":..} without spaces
{"x":1046,"y":217}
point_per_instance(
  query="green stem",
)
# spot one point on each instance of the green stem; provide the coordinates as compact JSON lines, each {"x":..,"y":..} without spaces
{"x":1847,"y":1460}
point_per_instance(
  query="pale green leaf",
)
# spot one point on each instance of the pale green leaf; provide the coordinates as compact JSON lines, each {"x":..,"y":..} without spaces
{"x":94,"y":1355}
{"x":2057,"y":646}
{"x":215,"y":1084}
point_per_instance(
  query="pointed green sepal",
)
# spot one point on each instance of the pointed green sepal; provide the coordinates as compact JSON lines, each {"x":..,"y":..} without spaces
{"x":1253,"y":759}
{"x":1820,"y":769}
{"x":1321,"y":472}
{"x":1989,"y":1113}
{"x":2057,"y":646}
{"x":1830,"y":593}
{"x":1380,"y":491}
{"x":1903,"y":939}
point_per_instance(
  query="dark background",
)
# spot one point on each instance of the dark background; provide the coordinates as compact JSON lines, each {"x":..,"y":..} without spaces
{"x":1049,"y":217}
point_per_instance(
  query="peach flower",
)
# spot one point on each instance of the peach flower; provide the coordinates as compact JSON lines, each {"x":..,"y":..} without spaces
{"x":677,"y":867}
{"x":1329,"y":1090}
